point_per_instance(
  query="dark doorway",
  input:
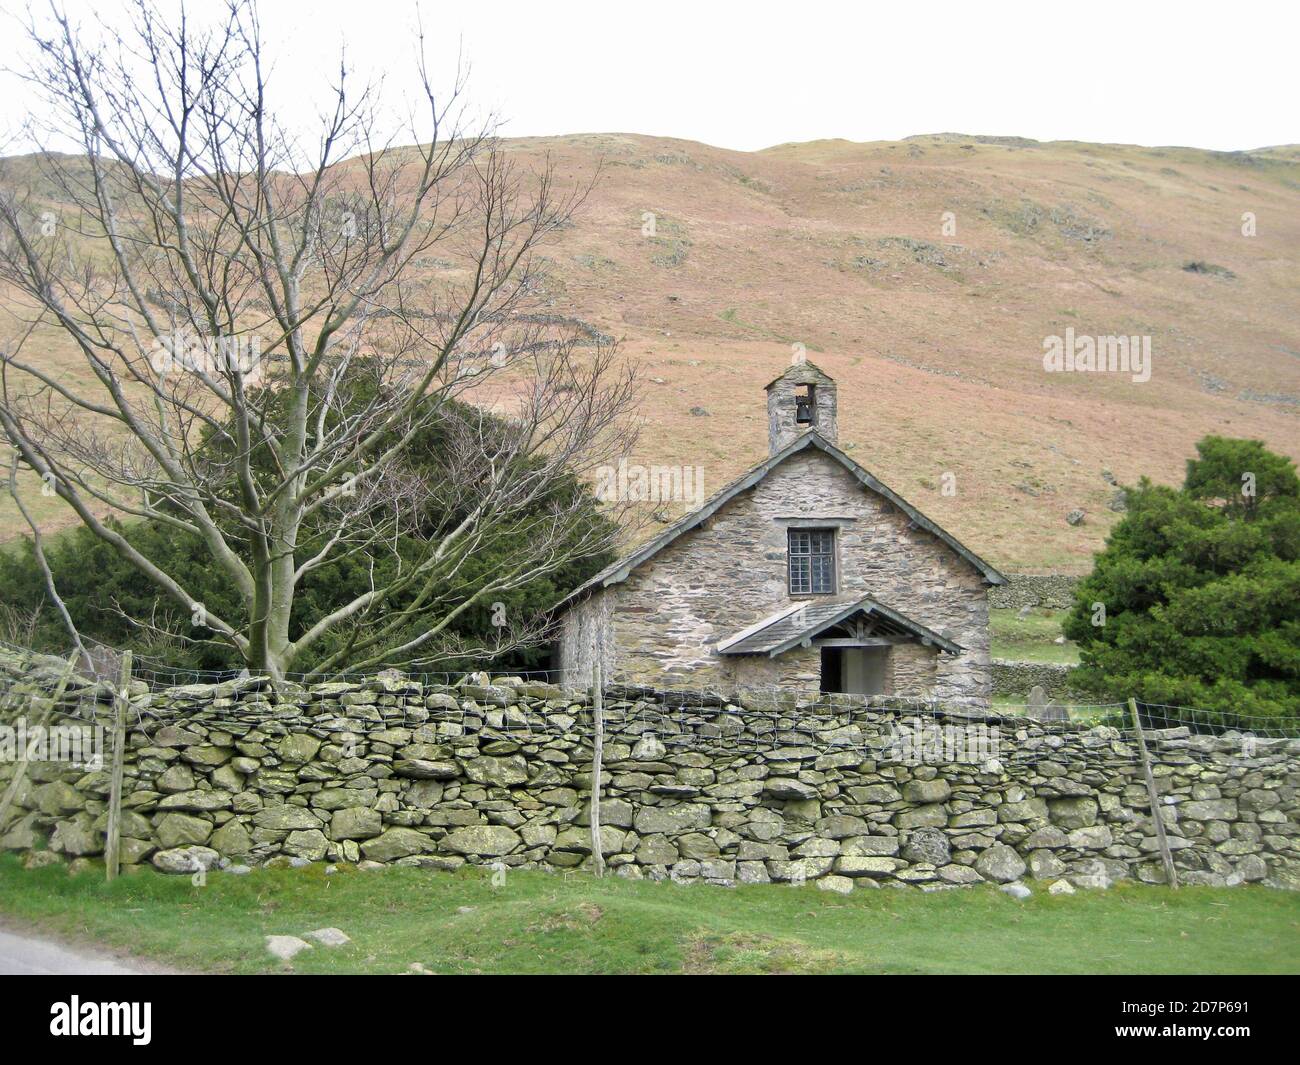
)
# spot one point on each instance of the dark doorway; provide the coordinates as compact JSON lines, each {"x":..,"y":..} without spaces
{"x":832,"y":669}
{"x":855,"y":670}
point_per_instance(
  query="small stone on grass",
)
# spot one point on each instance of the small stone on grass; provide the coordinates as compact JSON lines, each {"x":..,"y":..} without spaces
{"x":329,"y":937}
{"x":285,"y":947}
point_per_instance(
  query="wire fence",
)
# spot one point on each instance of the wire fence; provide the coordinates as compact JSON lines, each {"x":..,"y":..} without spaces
{"x":668,"y":745}
{"x":529,"y":705}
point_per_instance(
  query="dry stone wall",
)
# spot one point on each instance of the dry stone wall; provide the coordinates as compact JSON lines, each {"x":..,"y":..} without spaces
{"x":1050,"y":590}
{"x":1017,"y":679}
{"x":695,"y":788}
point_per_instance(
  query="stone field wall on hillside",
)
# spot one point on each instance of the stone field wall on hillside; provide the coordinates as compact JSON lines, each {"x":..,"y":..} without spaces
{"x":1016,"y":679}
{"x":1054,"y":591}
{"x":392,"y":770}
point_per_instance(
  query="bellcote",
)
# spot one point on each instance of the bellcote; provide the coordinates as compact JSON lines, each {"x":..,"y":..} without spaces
{"x":801,"y":399}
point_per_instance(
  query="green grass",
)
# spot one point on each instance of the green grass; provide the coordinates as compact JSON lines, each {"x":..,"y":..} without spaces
{"x":1085,"y":713}
{"x":1031,"y":638}
{"x":543,"y":923}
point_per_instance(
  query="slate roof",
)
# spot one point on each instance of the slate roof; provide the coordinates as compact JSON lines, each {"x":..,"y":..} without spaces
{"x":788,"y":628}
{"x":802,"y":373}
{"x":618,"y":572}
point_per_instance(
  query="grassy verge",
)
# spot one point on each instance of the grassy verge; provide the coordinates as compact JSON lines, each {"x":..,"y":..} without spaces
{"x":1031,"y":638}
{"x":542,"y":923}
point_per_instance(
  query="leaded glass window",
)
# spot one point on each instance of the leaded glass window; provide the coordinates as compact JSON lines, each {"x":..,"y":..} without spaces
{"x":812,"y":561}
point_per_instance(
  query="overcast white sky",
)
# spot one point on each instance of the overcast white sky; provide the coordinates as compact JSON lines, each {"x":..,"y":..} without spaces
{"x":748,"y":75}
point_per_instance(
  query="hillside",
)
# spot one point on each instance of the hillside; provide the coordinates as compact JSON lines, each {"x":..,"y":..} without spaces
{"x":936,"y":339}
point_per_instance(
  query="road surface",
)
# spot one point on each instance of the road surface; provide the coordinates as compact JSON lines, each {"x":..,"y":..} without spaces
{"x":22,"y":954}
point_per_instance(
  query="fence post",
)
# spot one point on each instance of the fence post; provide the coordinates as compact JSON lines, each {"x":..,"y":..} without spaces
{"x":1166,"y":856}
{"x":41,"y":718}
{"x":597,"y":761}
{"x":113,"y":836}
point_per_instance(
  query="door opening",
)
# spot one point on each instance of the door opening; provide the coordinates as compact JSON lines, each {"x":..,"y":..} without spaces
{"x":832,"y":670}
{"x":855,"y":670}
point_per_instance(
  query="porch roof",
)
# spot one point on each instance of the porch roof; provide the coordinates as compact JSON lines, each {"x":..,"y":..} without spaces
{"x":801,"y":621}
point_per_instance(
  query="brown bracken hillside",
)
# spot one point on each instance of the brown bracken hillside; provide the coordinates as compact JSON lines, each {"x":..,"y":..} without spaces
{"x":935,"y":333}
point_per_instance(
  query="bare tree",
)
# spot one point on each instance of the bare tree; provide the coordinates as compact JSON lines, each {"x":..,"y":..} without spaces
{"x":38,"y":552}
{"x":262,"y":326}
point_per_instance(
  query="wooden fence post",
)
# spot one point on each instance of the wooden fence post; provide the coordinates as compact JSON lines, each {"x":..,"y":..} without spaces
{"x":38,"y":719}
{"x":113,"y":836}
{"x":1166,"y":856}
{"x":597,"y":761}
